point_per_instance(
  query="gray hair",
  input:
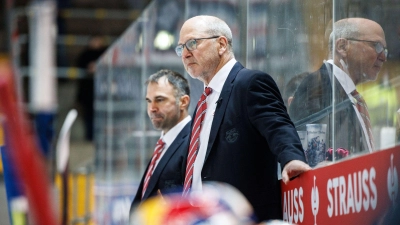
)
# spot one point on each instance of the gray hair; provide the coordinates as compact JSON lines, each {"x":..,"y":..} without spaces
{"x":218,"y":27}
{"x":178,"y":82}
{"x":343,"y":29}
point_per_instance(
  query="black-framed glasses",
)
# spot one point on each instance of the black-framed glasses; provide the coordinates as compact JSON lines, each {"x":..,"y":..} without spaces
{"x":379,"y":48}
{"x":190,"y":45}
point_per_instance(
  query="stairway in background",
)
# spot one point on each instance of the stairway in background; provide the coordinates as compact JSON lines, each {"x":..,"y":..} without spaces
{"x":78,"y":20}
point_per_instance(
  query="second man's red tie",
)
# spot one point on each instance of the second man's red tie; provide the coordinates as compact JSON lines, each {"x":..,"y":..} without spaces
{"x":156,"y":155}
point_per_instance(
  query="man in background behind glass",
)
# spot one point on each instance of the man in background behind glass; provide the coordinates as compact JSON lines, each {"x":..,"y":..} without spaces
{"x":85,"y":93}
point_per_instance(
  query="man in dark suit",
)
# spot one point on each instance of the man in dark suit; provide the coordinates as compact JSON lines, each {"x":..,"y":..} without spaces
{"x":167,"y":106}
{"x":357,"y":51}
{"x":246,"y":129}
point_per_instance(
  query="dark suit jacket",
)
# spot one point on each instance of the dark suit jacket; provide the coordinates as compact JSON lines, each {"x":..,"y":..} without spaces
{"x":168,"y":175}
{"x":250,"y":131}
{"x":312,"y":103}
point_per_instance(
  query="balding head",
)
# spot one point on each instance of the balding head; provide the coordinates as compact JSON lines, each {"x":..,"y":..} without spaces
{"x":212,"y":47}
{"x":354,"y":45}
{"x":356,"y":28}
{"x":212,"y":26}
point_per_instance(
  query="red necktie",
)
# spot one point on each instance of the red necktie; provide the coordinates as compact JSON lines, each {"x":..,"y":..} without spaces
{"x":195,"y":139}
{"x":150,"y":170}
{"x":363,"y":110}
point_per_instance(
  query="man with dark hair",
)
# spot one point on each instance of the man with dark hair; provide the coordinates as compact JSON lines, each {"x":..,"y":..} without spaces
{"x":167,"y":106}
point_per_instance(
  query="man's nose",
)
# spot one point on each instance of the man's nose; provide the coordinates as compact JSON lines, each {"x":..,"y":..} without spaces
{"x":186,"y":52}
{"x":152,"y":107}
{"x":382,"y":56}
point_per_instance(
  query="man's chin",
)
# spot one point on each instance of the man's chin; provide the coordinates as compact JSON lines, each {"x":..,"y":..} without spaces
{"x":370,"y":77}
{"x":191,"y":74}
{"x":157,"y":126}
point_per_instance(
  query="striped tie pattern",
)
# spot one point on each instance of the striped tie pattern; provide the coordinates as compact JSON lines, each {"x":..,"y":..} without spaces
{"x":195,"y":139}
{"x":156,"y":155}
{"x":363,"y":110}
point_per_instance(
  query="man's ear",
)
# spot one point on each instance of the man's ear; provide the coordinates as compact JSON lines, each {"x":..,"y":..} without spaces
{"x":342,"y":45}
{"x":184,"y":102}
{"x":223,"y":45}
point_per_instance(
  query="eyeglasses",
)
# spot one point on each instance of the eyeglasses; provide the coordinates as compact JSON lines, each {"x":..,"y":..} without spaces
{"x":190,"y":45}
{"x":379,"y":48}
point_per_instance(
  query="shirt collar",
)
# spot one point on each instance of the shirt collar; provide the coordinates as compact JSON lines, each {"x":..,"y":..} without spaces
{"x":170,"y":136}
{"x":217,"y":82}
{"x":343,"y":78}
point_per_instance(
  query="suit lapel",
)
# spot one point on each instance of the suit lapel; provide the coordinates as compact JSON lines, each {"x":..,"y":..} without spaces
{"x":221,"y":107}
{"x":138,"y":196}
{"x":165,"y":159}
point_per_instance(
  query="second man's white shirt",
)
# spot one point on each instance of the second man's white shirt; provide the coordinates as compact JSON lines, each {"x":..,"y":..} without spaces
{"x":170,"y":136}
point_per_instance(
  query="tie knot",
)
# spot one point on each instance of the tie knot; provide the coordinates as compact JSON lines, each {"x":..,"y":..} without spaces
{"x":160,"y":142}
{"x":357,"y":95}
{"x":207,"y":91}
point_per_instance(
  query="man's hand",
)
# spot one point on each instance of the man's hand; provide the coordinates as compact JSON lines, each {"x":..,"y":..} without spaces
{"x":293,"y":169}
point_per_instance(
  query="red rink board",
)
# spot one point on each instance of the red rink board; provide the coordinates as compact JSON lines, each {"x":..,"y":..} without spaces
{"x":355,"y":191}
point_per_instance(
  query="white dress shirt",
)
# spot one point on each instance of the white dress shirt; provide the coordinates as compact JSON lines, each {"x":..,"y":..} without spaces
{"x":348,"y":85}
{"x":216,"y":85}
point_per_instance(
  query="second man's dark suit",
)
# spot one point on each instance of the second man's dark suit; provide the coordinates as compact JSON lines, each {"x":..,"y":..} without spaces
{"x":168,"y":175}
{"x":250,"y":131}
